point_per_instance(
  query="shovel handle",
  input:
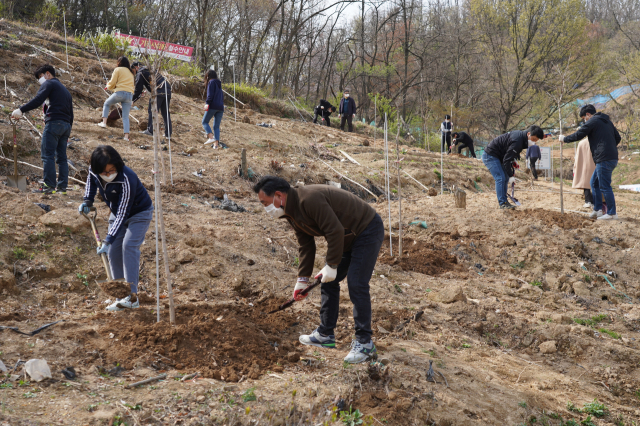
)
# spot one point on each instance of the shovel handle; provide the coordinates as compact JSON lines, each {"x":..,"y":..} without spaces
{"x":304,"y":292}
{"x":96,"y":234}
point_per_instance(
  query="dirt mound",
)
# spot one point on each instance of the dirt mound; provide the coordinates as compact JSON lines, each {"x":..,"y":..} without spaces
{"x":550,"y":218}
{"x":418,"y":257}
{"x":183,"y":186}
{"x":118,"y":289}
{"x":224,"y":342}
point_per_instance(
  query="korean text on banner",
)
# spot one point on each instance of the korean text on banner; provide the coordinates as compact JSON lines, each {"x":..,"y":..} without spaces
{"x":145,"y":45}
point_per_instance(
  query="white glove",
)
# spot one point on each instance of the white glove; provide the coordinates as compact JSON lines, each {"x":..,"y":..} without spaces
{"x":328,"y":274}
{"x":512,"y":180}
{"x":321,"y":107}
{"x":206,"y":107}
{"x":17,"y":114}
{"x":301,"y":284}
{"x":561,"y":138}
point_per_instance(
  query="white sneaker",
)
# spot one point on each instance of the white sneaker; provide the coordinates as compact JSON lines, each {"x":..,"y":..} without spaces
{"x":595,"y":214}
{"x":317,"y":339}
{"x":361,"y":352}
{"x":608,"y":217}
{"x":125,"y":303}
{"x":209,"y":141}
{"x":101,"y":124}
{"x":587,"y":206}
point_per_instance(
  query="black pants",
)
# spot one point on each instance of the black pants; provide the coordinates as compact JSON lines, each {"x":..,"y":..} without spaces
{"x":357,"y":266}
{"x":446,"y":138}
{"x":346,"y":119}
{"x":532,"y":161}
{"x":163,"y":110}
{"x":327,"y":120}
{"x":472,"y":151}
{"x":588,"y":197}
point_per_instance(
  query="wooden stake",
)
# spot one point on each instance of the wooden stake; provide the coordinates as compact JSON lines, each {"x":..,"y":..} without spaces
{"x":386,"y":175}
{"x":158,"y":198}
{"x":561,"y":174}
{"x":399,"y":194}
{"x":39,"y":168}
{"x":244,"y":168}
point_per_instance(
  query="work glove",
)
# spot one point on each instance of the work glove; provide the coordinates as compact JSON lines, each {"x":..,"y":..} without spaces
{"x":561,"y":138}
{"x":321,"y":107}
{"x":103,"y":249}
{"x":301,"y":284}
{"x":206,"y":107}
{"x":512,"y":180}
{"x":17,"y":114}
{"x":84,"y":208}
{"x":327,"y":274}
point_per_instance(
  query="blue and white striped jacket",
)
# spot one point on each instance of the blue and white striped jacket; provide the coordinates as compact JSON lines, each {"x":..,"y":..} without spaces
{"x":125,"y":196}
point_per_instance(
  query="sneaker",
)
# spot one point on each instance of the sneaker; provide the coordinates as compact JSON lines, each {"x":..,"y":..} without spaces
{"x":44,"y":189}
{"x":126,"y":139}
{"x":101,"y":124}
{"x":209,"y":141}
{"x":608,"y":217}
{"x":507,"y":206}
{"x":146,"y":132}
{"x":587,"y":206}
{"x":595,"y":214}
{"x":125,"y":303}
{"x":361,"y":352}
{"x":61,"y":191}
{"x":317,"y":339}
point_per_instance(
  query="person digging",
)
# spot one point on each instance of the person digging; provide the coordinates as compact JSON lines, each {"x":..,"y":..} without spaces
{"x":131,"y":213}
{"x":354,"y":233}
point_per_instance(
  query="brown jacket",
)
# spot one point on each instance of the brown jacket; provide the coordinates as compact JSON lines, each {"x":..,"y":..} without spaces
{"x":325,"y":211}
{"x":583,"y":167}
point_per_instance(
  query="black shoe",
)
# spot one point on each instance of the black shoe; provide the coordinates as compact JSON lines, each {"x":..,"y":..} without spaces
{"x":61,"y":191}
{"x":44,"y":189}
{"x":147,"y":132}
{"x":507,"y":206}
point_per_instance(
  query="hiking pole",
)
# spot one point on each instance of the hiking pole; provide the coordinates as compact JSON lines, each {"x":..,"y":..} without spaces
{"x":304,"y":292}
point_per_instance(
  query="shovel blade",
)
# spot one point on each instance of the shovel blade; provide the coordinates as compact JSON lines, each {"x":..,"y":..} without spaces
{"x":17,"y":181}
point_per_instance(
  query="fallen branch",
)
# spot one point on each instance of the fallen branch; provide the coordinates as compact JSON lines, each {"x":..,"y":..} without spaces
{"x":352,"y":181}
{"x":350,"y":158}
{"x":144,"y":382}
{"x":39,"y":168}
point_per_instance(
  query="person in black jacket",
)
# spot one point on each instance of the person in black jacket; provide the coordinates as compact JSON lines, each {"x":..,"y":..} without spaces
{"x":324,"y":110}
{"x":533,"y":155}
{"x":347,"y":111}
{"x":463,"y":140}
{"x":500,"y":154}
{"x":58,"y":118}
{"x":163,"y":89}
{"x":445,"y":128}
{"x":603,"y":141}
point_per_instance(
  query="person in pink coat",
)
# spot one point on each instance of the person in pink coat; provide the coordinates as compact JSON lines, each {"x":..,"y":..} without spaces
{"x":583,"y":169}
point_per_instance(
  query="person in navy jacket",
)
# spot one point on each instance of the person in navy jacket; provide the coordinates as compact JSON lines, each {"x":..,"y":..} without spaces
{"x":347,"y":111}
{"x":214,"y":108}
{"x":131,"y":212}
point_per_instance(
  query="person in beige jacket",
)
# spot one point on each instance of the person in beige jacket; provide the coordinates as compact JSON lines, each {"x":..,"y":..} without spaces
{"x":121,"y":84}
{"x":583,"y":169}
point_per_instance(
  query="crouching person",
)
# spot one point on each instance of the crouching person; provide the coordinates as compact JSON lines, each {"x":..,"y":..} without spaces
{"x":354,"y":234}
{"x":131,"y":212}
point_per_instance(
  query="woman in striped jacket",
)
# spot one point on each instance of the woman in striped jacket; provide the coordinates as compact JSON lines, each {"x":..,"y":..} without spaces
{"x":131,"y":213}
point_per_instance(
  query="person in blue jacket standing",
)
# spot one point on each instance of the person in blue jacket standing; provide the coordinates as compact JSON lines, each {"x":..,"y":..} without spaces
{"x":58,"y":118}
{"x":214,"y":108}
{"x":131,"y":213}
{"x":347,"y":111}
{"x":533,"y":155}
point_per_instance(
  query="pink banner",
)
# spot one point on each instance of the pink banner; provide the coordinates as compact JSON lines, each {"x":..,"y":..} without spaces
{"x":155,"y":47}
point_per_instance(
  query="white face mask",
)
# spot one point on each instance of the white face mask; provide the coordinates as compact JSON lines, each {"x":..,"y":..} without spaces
{"x":346,"y":95}
{"x":274,"y":211}
{"x":109,"y":178}
{"x":41,"y":80}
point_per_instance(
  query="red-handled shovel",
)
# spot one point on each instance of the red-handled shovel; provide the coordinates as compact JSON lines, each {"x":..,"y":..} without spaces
{"x":302,"y":293}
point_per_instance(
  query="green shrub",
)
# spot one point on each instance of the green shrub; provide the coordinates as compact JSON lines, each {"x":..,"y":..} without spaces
{"x":108,"y":42}
{"x":246,"y":93}
{"x":184,"y":69}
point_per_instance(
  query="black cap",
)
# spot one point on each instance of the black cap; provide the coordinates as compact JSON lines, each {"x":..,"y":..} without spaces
{"x":447,"y":117}
{"x":135,"y":64}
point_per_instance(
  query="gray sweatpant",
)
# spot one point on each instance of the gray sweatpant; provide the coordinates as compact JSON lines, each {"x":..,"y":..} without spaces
{"x":124,"y":253}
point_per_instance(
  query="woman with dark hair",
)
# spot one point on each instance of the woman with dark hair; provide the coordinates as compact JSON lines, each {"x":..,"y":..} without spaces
{"x":131,"y":212}
{"x":214,"y":108}
{"x":121,"y":84}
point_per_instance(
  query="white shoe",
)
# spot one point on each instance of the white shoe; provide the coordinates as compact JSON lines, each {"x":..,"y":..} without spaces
{"x":361,"y":352}
{"x":317,"y":339}
{"x":209,"y":141}
{"x":125,"y":303}
{"x":595,"y":214}
{"x":101,"y":124}
{"x":608,"y":217}
{"x":587,"y":206}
